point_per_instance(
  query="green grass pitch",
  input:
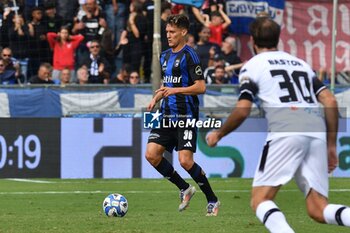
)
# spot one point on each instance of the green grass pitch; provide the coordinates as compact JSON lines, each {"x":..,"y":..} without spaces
{"x":61,"y":205}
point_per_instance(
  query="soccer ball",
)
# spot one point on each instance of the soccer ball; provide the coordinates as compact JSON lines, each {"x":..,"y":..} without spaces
{"x":115,"y":205}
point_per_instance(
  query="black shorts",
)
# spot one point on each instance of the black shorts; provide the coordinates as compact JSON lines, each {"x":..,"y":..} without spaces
{"x":178,"y":138}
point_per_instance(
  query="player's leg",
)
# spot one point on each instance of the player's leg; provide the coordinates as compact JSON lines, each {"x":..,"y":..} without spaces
{"x":321,"y":211}
{"x":198,"y":175}
{"x":154,"y":155}
{"x":267,"y":211}
{"x":312,"y":179}
{"x":187,"y":144}
{"x":279,"y":161}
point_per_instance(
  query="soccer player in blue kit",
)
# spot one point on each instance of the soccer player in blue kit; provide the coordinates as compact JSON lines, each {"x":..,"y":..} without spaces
{"x":182,"y":81}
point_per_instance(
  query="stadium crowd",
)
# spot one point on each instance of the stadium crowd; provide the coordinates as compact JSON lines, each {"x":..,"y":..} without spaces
{"x":50,"y":41}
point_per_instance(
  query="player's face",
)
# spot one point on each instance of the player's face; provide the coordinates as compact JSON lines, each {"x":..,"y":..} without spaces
{"x":176,"y":36}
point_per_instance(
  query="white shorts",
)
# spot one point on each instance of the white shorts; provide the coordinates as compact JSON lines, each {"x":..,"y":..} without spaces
{"x":302,"y":157}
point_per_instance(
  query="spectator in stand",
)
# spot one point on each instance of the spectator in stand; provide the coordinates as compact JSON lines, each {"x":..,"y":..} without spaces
{"x":83,"y":75}
{"x":91,"y":26}
{"x":229,"y":54}
{"x":52,"y":21}
{"x":29,"y":5}
{"x":210,"y":70}
{"x":191,"y":41}
{"x":82,"y":11}
{"x":122,"y":76}
{"x":67,"y":9}
{"x":12,"y":64}
{"x":165,"y":12}
{"x":64,"y":46}
{"x":39,"y":51}
{"x":18,"y":38}
{"x":177,"y":9}
{"x":148,"y":11}
{"x":228,"y":51}
{"x":137,"y":35}
{"x":219,"y":76}
{"x":210,"y":6}
{"x":115,"y":12}
{"x":218,"y":22}
{"x":116,"y":15}
{"x":205,"y":49}
{"x":98,"y":66}
{"x":43,"y":76}
{"x":5,"y":20}
{"x":65,"y":77}
{"x":134,"y":78}
{"x":6,"y":76}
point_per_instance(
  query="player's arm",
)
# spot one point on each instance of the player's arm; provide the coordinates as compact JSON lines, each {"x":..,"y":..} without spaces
{"x":197,"y":88}
{"x":235,"y":119}
{"x":329,"y":102}
{"x":156,"y":98}
{"x":248,"y":90}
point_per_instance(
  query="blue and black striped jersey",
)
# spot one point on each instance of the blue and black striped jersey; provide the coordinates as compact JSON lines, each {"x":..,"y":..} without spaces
{"x":180,"y":69}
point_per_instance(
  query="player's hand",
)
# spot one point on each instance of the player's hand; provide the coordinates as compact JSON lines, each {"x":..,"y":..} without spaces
{"x":151,"y":105}
{"x":167,"y":91}
{"x":213,"y":138}
{"x":332,"y":158}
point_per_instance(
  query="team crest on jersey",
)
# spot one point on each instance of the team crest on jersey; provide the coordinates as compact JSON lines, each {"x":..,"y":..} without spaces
{"x":177,"y":63}
{"x":198,"y":70}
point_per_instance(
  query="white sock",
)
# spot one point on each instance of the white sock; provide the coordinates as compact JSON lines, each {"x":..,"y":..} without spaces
{"x":337,"y":215}
{"x":274,"y":220}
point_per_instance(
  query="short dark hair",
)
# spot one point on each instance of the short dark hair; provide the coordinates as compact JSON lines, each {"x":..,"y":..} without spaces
{"x":215,"y":13}
{"x":165,"y":6}
{"x":265,"y":32}
{"x":180,"y":21}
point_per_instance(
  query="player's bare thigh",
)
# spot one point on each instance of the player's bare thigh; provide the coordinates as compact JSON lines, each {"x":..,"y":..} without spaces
{"x":261,"y":194}
{"x":154,"y":153}
{"x":186,"y":159}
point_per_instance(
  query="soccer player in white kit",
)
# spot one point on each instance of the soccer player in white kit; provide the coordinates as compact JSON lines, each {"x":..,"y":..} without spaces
{"x":301,"y":144}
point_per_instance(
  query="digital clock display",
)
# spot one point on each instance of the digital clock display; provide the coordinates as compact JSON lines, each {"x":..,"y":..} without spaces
{"x":29,"y":147}
{"x":28,"y":152}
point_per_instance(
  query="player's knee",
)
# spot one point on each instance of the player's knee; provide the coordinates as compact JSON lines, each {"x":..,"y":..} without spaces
{"x":185,"y":163}
{"x":151,"y":158}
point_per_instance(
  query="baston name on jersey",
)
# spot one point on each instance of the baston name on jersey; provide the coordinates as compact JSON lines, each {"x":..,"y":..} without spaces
{"x":172,"y":79}
{"x":284,"y":62}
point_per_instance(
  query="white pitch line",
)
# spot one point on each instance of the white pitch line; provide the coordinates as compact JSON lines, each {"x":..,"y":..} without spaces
{"x":142,"y":192}
{"x":31,"y":181}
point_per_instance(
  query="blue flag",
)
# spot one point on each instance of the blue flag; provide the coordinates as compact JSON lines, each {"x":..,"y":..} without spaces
{"x":195,"y":3}
{"x":242,"y":13}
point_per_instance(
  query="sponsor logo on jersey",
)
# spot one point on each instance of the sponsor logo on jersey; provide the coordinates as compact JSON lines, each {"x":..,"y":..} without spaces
{"x":198,"y":70}
{"x":172,"y":79}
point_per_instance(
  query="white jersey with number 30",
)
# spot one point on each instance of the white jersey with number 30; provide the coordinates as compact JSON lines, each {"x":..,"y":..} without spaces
{"x":287,"y":88}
